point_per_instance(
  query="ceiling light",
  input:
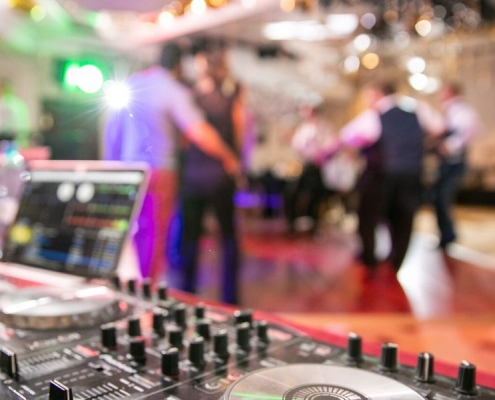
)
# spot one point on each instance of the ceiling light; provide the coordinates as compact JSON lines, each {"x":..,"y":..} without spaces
{"x":416,"y":65}
{"x":362,"y":42}
{"x":165,"y":19}
{"x":418,"y":81}
{"x":341,"y":25}
{"x":370,"y":60}
{"x":368,"y":20}
{"x":351,"y":64}
{"x":117,"y":94}
{"x":423,"y":27}
{"x":198,"y":7}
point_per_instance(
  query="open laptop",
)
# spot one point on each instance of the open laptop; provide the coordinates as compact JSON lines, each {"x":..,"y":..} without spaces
{"x":73,"y":221}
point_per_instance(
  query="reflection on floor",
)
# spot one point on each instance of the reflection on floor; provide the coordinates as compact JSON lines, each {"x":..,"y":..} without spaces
{"x":294,"y":274}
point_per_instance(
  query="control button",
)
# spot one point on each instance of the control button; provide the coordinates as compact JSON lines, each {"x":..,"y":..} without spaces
{"x":389,"y":357}
{"x":354,"y":349}
{"x":8,"y":363}
{"x":109,"y":336}
{"x":116,"y":282}
{"x":213,"y":386}
{"x":176,"y":337}
{"x":197,"y":352}
{"x":159,"y":316}
{"x":134,"y":326}
{"x":466,"y":379}
{"x":180,"y":315}
{"x":221,"y":344}
{"x":262,"y":332}
{"x":242,"y":316}
{"x":425,"y":368}
{"x":137,"y":349}
{"x":203,"y":328}
{"x":146,"y":288}
{"x":243,"y":336}
{"x":131,"y":286}
{"x":170,"y":362}
{"x":59,"y":391}
{"x":162,"y":291}
{"x":199,"y":311}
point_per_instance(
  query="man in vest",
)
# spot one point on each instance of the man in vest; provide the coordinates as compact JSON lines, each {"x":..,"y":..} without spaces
{"x":390,"y":134}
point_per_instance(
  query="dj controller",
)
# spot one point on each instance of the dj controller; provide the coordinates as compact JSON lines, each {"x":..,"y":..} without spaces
{"x":111,"y":342}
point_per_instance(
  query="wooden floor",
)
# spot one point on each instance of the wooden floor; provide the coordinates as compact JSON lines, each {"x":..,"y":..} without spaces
{"x":436,"y":299}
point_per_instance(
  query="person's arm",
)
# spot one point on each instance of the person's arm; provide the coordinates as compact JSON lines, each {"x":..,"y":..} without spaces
{"x":191,"y":122}
{"x":239,"y":121}
{"x":203,"y":135}
{"x":465,"y":125}
{"x":361,"y":131}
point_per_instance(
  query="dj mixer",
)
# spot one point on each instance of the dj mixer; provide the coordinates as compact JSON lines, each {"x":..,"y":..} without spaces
{"x":136,"y":341}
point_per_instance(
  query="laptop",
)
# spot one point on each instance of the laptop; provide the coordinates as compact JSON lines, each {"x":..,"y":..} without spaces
{"x":73,"y":221}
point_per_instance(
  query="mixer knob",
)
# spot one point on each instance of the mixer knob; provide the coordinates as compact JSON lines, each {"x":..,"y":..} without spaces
{"x":163,"y":291}
{"x":170,"y":362}
{"x":425,"y":368}
{"x":199,"y":311}
{"x":221,"y":344}
{"x":176,"y":337}
{"x":134,"y":327}
{"x":242,"y":316}
{"x":354,"y":349}
{"x":389,"y":357}
{"x":146,"y":288}
{"x":243,"y":336}
{"x":180,"y":315}
{"x":137,"y":349}
{"x":8,"y":363}
{"x":159,"y":316}
{"x":466,"y":379}
{"x":59,"y":391}
{"x":197,"y":352}
{"x":131,"y":286}
{"x":262,"y":332}
{"x":203,"y":328}
{"x":109,"y":336}
{"x":116,"y":282}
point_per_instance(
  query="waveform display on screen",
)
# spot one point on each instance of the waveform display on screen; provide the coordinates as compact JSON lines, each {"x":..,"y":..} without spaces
{"x":72,"y":222}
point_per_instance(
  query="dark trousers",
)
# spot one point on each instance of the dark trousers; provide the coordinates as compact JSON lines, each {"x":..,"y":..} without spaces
{"x":302,"y":197}
{"x":449,"y":178}
{"x":392,"y":198}
{"x":193,"y":207}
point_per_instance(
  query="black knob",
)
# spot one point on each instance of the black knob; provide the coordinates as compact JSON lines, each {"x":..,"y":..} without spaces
{"x":425,"y":368}
{"x":199,"y":311}
{"x":354,"y":348}
{"x":8,"y":363}
{"x":221,"y":344}
{"x":170,"y":362}
{"x":466,"y":379}
{"x":163,"y":291}
{"x":389,"y":357}
{"x":176,"y":337}
{"x":146,"y":288}
{"x":203,"y":328}
{"x":59,"y":391}
{"x":131,"y":286}
{"x":197,"y":352}
{"x":180,"y":315}
{"x":137,"y":349}
{"x":262,"y":332}
{"x":109,"y":336}
{"x":116,"y":282}
{"x":134,"y":326}
{"x":243,"y":336}
{"x":159,"y":316}
{"x":242,"y":316}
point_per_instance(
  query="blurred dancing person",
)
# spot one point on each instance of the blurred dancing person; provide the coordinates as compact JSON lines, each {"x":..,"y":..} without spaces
{"x":204,"y":183}
{"x":462,"y":126}
{"x":146,"y":131}
{"x":390,"y":133}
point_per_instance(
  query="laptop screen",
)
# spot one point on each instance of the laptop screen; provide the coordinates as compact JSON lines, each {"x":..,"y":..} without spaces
{"x":74,"y":218}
